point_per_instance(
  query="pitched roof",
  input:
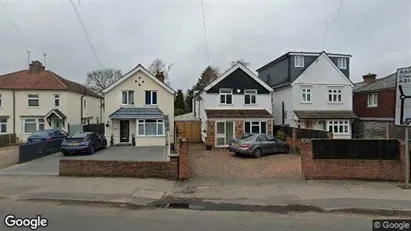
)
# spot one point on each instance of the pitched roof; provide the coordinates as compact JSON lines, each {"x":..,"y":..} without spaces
{"x":138,"y":113}
{"x":383,"y":83}
{"x":325,"y":114}
{"x":56,"y":112}
{"x":42,"y":80}
{"x":237,"y":113}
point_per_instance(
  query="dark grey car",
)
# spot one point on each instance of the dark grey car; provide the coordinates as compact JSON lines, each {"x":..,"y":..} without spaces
{"x":258,"y":145}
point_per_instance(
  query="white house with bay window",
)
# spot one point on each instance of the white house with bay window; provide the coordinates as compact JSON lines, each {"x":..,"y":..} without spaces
{"x":139,"y":107}
{"x":318,"y":97}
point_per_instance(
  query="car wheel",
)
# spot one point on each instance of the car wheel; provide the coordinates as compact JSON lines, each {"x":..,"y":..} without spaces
{"x":65,"y":153}
{"x":92,"y":149}
{"x":236,"y":153}
{"x":257,"y":152}
{"x":286,"y":149}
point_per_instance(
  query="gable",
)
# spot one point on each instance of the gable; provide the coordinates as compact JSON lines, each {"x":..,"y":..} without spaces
{"x":323,"y":71}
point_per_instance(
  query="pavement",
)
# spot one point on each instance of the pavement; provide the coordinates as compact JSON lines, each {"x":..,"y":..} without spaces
{"x":245,"y":195}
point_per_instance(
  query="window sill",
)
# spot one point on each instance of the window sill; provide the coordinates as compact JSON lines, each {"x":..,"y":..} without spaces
{"x":251,"y":104}
{"x":150,"y":136}
{"x":298,"y":66}
{"x":226,"y":104}
{"x":150,"y":105}
{"x":335,"y":102}
{"x":33,"y":107}
{"x":307,"y":102}
{"x":374,"y":106}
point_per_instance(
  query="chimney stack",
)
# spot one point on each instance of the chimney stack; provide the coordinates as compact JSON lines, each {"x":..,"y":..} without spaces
{"x":36,"y":66}
{"x":160,"y":76}
{"x":368,"y":78}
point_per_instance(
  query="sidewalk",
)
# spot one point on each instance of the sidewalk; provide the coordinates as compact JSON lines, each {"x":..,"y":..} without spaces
{"x":319,"y":195}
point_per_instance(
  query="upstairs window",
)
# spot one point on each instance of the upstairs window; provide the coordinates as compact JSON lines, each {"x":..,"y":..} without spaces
{"x":342,"y":63}
{"x":372,"y":100}
{"x":33,"y":100}
{"x":151,"y":97}
{"x":226,"y":96}
{"x":250,"y":97}
{"x":334,"y":96}
{"x":299,"y":61}
{"x":56,"y":100}
{"x":127,"y":97}
{"x":306,"y":95}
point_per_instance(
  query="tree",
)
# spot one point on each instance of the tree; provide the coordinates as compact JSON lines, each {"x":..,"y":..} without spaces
{"x":179,"y":104}
{"x":207,"y":76}
{"x":100,"y":79}
{"x":242,"y":61}
{"x":158,"y":66}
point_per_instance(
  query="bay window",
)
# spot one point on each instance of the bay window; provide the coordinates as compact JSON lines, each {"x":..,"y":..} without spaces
{"x":150,"y":127}
{"x":255,"y":127}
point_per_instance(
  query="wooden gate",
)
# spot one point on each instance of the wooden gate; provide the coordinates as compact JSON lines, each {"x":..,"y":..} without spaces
{"x":190,"y":130}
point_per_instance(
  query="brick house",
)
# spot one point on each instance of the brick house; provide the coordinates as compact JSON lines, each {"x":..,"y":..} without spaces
{"x":237,"y":102}
{"x":374,"y":104}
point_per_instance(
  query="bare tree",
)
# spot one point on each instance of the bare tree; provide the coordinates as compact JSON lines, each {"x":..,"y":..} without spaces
{"x":158,"y":66}
{"x":100,"y":79}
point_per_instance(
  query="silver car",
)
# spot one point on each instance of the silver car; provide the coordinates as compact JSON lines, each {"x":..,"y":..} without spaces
{"x":258,"y":145}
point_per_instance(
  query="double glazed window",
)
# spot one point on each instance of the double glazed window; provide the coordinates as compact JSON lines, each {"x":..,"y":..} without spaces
{"x":334,"y":96}
{"x":306,"y":95}
{"x":127,"y":97}
{"x":56,"y":100}
{"x":150,"y":127}
{"x":298,"y":61}
{"x":250,"y":97}
{"x":31,"y":125}
{"x":338,"y":126}
{"x":226,"y":96}
{"x":372,"y":100}
{"x":3,"y":126}
{"x":33,"y":100}
{"x":151,"y":97}
{"x":255,"y":127}
{"x":342,"y":63}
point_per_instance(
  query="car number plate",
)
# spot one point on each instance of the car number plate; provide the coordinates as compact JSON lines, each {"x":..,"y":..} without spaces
{"x":73,"y":144}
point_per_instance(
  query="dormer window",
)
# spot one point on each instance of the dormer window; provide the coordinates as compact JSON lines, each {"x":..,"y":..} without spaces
{"x":299,"y":61}
{"x":342,"y":63}
{"x":226,"y":96}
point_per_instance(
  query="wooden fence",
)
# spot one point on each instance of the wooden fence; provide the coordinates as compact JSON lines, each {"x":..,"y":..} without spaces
{"x":7,"y":139}
{"x":97,"y":128}
{"x":301,"y":133}
{"x":189,"y":129}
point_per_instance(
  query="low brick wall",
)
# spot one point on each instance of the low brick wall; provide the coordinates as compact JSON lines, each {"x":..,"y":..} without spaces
{"x":176,"y":168}
{"x":384,"y":170}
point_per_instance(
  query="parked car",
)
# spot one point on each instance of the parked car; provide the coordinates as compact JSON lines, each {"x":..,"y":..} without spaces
{"x":46,"y":135}
{"x":258,"y":145}
{"x":83,"y":142}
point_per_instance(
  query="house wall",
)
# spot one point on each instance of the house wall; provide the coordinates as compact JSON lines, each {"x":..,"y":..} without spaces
{"x":276,"y":73}
{"x":385,"y":108}
{"x":283,"y":95}
{"x":92,"y":109}
{"x":6,"y":108}
{"x":113,"y":100}
{"x":212,"y":101}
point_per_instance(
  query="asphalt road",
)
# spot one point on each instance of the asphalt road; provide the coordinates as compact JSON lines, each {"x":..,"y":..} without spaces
{"x":104,"y":218}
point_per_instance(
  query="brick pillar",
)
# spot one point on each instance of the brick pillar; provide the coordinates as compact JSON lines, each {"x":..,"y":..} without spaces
{"x":239,"y":128}
{"x":270,"y":127}
{"x":307,"y":162}
{"x":210,"y":133}
{"x":294,"y":136}
{"x":183,"y":159}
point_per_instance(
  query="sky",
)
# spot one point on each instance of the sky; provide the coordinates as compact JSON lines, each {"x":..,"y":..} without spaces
{"x":125,"y":33}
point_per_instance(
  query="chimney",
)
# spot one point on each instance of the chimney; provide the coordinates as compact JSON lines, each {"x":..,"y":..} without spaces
{"x":368,"y":78}
{"x":36,"y":66}
{"x":160,"y":76}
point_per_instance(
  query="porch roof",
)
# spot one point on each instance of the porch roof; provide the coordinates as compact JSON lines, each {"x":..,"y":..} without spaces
{"x":325,"y":114}
{"x":137,"y":113}
{"x":56,"y":112}
{"x":238,"y":113}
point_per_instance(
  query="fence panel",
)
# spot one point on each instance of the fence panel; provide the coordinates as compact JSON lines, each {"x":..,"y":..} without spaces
{"x":75,"y":128}
{"x":356,"y":149}
{"x":189,"y":129}
{"x":7,"y":139}
{"x":310,"y":134}
{"x":28,"y":152}
{"x":97,"y":128}
{"x":288,"y":131}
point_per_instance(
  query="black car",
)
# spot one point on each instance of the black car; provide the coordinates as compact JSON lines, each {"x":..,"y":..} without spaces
{"x":83,"y":142}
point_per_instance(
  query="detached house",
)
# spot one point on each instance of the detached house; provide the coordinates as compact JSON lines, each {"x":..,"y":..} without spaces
{"x":140,"y":105}
{"x":37,"y":99}
{"x":237,"y":102}
{"x":311,"y":90}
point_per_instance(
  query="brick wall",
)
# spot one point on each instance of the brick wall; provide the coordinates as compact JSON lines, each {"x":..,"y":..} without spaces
{"x":239,"y":128}
{"x":176,"y":168}
{"x":385,"y":170}
{"x":210,"y":133}
{"x":385,"y":108}
{"x":377,"y":129}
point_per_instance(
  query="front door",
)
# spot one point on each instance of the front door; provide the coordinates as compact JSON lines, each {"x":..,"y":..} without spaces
{"x":224,"y":133}
{"x":56,"y":123}
{"x":124,"y":131}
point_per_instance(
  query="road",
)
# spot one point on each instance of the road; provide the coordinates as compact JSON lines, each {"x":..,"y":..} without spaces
{"x":105,"y":218}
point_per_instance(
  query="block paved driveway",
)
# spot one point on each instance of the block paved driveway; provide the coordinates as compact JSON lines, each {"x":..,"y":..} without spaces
{"x":49,"y":165}
{"x":222,"y":164}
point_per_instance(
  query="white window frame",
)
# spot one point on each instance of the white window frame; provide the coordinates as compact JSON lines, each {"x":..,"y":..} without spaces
{"x":151,"y":97}
{"x":336,"y":95}
{"x":3,"y":121}
{"x":33,"y":97}
{"x":1,"y":101}
{"x":342,"y":63}
{"x":306,"y":96}
{"x":341,"y":127}
{"x":143,"y":122}
{"x":298,"y":61}
{"x":253,"y":123}
{"x":372,"y":99}
{"x":250,"y":93}
{"x":57,"y":99}
{"x":128,"y":92}
{"x":225,"y":92}
{"x":40,"y":124}
{"x":84,"y":103}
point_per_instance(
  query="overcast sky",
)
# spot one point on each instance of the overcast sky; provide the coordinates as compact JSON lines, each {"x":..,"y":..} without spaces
{"x":125,"y":33}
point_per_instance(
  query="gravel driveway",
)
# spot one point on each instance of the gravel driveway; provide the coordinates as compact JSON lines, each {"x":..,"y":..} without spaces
{"x":222,"y":164}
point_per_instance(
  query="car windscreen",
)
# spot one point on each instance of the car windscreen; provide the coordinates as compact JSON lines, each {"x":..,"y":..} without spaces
{"x":78,"y":136}
{"x":248,"y":138}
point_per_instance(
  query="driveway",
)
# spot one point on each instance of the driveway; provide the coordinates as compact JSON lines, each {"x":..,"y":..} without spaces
{"x":9,"y":156}
{"x":222,"y":164}
{"x":49,"y":165}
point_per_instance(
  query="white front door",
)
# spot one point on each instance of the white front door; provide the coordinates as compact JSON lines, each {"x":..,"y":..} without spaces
{"x":224,"y":133}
